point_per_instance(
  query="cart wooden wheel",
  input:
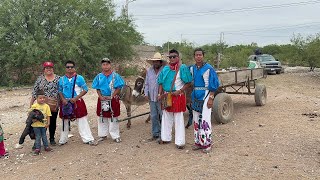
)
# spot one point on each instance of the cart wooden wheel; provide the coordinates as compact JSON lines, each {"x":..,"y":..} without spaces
{"x":260,"y":95}
{"x":222,"y":108}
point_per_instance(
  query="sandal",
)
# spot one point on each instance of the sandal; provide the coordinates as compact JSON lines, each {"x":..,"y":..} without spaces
{"x":207,"y":150}
{"x":196,"y":147}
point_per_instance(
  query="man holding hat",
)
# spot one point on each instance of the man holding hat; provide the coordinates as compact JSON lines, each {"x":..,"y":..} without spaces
{"x":151,"y":89}
{"x":108,"y":85}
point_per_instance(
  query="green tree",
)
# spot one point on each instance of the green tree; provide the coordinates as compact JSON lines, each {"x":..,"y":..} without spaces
{"x":237,"y":56}
{"x":312,"y":51}
{"x":272,"y":49}
{"x":307,"y":50}
{"x":211,"y":52}
{"x":33,"y":31}
{"x":185,"y":49}
{"x":299,"y":55}
{"x":302,"y":51}
{"x":288,"y":54}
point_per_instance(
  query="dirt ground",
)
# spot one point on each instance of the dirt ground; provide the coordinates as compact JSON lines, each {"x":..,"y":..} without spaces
{"x":280,"y":140}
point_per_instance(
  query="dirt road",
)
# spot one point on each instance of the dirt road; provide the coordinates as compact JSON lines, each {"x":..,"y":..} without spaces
{"x":280,"y":140}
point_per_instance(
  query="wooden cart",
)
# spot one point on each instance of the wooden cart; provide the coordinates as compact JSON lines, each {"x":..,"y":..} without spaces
{"x":235,"y":82}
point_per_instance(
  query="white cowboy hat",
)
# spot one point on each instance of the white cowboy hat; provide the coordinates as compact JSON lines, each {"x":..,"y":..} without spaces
{"x":156,"y":57}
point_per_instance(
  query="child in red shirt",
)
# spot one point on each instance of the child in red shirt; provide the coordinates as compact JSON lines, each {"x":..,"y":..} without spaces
{"x":2,"y":149}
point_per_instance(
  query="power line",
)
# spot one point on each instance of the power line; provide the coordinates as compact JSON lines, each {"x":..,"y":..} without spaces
{"x":274,"y":28}
{"x":242,"y":34}
{"x":266,"y":28}
{"x":226,"y":11}
{"x":253,"y":35}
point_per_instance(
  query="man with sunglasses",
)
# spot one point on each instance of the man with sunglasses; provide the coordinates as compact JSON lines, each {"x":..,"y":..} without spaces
{"x":206,"y":83}
{"x":174,"y":79}
{"x":72,"y":87}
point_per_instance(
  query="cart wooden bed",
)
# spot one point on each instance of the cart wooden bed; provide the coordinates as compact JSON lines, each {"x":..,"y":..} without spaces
{"x":241,"y":81}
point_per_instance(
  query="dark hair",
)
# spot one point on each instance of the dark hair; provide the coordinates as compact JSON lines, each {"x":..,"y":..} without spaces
{"x":198,"y":49}
{"x":70,"y":62}
{"x":39,"y":93}
{"x":107,"y":60}
{"x":174,"y":51}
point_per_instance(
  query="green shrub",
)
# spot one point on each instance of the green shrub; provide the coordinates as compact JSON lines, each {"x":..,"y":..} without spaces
{"x":130,"y":71}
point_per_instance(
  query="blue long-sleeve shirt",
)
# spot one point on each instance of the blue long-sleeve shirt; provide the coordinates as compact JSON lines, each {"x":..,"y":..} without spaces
{"x":204,"y":78}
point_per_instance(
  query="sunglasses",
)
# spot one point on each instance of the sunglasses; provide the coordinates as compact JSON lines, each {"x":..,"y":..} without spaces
{"x":174,"y":56}
{"x":69,"y":67}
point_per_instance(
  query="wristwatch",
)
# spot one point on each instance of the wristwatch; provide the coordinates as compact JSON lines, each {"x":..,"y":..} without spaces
{"x":211,"y":96}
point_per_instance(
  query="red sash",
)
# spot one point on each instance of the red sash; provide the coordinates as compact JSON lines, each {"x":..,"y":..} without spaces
{"x":115,"y":105}
{"x":178,"y":103}
{"x":80,"y":109}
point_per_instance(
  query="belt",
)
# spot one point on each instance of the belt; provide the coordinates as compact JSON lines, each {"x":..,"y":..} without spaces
{"x":200,"y":88}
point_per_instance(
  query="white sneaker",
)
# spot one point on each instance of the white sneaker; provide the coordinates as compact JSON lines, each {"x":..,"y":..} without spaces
{"x":18,"y":146}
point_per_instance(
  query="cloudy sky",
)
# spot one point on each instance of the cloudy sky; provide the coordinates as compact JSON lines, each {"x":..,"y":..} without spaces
{"x":234,"y":21}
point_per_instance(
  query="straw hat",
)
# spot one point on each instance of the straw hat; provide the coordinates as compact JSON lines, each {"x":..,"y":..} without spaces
{"x":156,"y":57}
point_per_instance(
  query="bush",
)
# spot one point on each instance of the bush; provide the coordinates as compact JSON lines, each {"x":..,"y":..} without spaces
{"x":130,"y":71}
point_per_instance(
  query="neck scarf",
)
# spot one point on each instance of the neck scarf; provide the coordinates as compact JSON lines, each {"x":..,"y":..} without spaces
{"x":174,"y":66}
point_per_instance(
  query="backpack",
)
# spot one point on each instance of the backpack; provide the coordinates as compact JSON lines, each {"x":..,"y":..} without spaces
{"x":68,"y":110}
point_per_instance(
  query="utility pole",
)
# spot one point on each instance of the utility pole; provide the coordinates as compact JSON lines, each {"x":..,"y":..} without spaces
{"x":126,"y":7}
{"x":219,"y":59}
{"x":181,"y":40}
{"x":220,"y":50}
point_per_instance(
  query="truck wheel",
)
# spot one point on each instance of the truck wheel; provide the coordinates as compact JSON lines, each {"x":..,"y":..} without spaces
{"x":278,"y":72}
{"x":222,"y":108}
{"x":260,"y":95}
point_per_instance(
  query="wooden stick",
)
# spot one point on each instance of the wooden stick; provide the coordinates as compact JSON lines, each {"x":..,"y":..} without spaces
{"x":127,"y":118}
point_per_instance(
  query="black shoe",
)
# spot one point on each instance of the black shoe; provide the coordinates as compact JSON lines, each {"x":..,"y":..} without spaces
{"x":154,"y":138}
{"x":53,"y":143}
{"x":181,"y":147}
{"x":188,"y":125}
{"x":163,"y":142}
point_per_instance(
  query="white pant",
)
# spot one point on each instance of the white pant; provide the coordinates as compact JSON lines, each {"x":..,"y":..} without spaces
{"x":106,"y":127}
{"x":83,"y":127}
{"x":168,"y":118}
